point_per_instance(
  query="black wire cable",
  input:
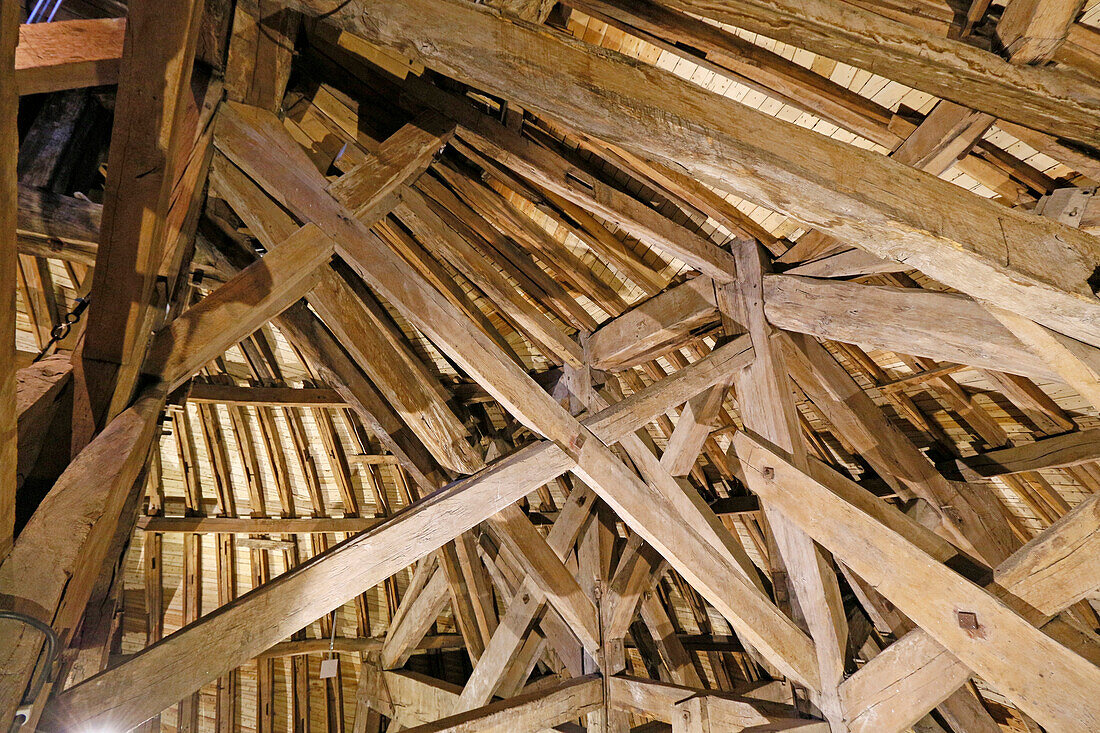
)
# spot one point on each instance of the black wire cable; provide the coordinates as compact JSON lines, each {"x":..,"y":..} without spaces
{"x":38,"y":680}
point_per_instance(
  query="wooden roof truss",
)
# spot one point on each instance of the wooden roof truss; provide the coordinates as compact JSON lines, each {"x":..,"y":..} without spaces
{"x":581,"y":365}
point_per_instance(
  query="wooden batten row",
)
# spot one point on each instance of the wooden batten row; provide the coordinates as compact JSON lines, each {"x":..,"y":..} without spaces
{"x":550,"y":365}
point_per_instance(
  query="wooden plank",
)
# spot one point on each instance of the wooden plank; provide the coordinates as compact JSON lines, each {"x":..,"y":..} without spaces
{"x":1032,"y":31}
{"x":526,"y":713}
{"x":9,"y":141}
{"x":656,"y":114}
{"x":62,"y":550}
{"x":1003,"y":648}
{"x":152,"y":680}
{"x":69,"y":54}
{"x":236,"y":309}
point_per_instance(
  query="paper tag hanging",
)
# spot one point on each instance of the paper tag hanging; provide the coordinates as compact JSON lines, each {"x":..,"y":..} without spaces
{"x":329,"y":667}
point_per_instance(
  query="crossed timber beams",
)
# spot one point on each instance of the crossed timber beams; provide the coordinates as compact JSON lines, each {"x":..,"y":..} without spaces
{"x":661,"y":117}
{"x":597,"y":463}
{"x":86,"y":700}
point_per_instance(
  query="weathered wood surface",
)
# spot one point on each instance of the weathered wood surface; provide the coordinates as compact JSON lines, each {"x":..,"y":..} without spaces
{"x":942,"y":326}
{"x":63,"y":549}
{"x":9,"y":141}
{"x":527,"y":713}
{"x":1004,"y":647}
{"x":664,"y":118}
{"x":148,"y":132}
{"x":920,"y":58}
{"x":53,"y":225}
{"x":69,"y":54}
{"x":1060,"y":451}
{"x":151,"y":681}
{"x":258,"y":396}
{"x":234,"y":310}
{"x":913,"y":675}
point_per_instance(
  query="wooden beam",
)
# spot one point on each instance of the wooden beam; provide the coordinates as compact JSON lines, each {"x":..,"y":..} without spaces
{"x":236,"y":309}
{"x":415,"y":213}
{"x":767,"y":406}
{"x":1077,"y":364}
{"x":261,"y":49}
{"x":256,"y":525}
{"x":354,"y":645}
{"x":557,"y":175}
{"x":57,"y":226}
{"x":663,"y":700}
{"x":513,"y":388}
{"x":507,"y":642}
{"x":256,"y":396}
{"x":1042,"y":574}
{"x":653,"y":326}
{"x":69,"y":54}
{"x":546,"y":569}
{"x":1032,"y":31}
{"x":152,"y":680}
{"x":527,"y":713}
{"x":37,"y":389}
{"x":944,"y":137}
{"x":62,"y":550}
{"x":941,"y":326}
{"x":698,"y":418}
{"x":1003,"y":646}
{"x":972,"y":517}
{"x":1060,"y":451}
{"x":1061,"y":565}
{"x":748,"y":63}
{"x":413,"y":392}
{"x":356,"y":319}
{"x":9,"y":141}
{"x":658,"y":115}
{"x":323,"y":351}
{"x":142,"y":169}
{"x":946,"y":68}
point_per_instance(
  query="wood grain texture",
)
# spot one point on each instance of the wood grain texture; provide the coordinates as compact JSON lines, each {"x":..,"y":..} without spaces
{"x":69,"y":54}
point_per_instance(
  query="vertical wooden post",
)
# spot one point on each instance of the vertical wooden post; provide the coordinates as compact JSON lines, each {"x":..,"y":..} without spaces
{"x":9,"y":145}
